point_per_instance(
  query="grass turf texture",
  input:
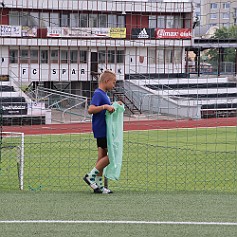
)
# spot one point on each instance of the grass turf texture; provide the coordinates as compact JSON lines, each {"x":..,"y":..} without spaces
{"x":201,"y":159}
{"x":123,"y":206}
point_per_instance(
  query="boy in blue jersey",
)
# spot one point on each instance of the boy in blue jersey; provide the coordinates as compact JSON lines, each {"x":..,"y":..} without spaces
{"x":99,"y":104}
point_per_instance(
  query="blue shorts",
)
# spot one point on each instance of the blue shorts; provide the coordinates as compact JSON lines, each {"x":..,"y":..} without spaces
{"x":102,"y":142}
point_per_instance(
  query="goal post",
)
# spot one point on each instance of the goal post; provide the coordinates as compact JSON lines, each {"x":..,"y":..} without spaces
{"x":12,"y":153}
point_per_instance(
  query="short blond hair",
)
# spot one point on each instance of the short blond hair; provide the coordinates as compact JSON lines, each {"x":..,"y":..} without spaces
{"x":107,"y":75}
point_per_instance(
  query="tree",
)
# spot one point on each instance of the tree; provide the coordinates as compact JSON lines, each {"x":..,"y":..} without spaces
{"x":229,"y":53}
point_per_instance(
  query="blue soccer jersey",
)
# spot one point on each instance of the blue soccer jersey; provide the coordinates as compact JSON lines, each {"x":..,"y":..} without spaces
{"x":98,"y":120}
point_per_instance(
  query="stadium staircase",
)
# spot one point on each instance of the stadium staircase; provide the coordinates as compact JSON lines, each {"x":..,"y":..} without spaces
{"x":119,"y":94}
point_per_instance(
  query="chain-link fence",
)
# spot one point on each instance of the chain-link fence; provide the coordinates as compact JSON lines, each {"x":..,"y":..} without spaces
{"x":164,"y":162}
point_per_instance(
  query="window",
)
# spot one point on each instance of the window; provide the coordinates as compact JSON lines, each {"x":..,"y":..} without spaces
{"x":74,"y":20}
{"x":226,"y":15}
{"x":213,"y":5}
{"x":93,"y":21}
{"x":24,"y":56}
{"x":102,"y":20}
{"x":33,"y":19}
{"x":120,"y":56}
{"x":44,"y":20}
{"x":24,"y":18}
{"x":33,"y":56}
{"x":161,"y":22}
{"x":73,"y":56}
{"x":64,"y":20}
{"x":177,"y":55}
{"x":83,"y":56}
{"x":54,"y":19}
{"x":160,"y":56}
{"x":14,"y":18}
{"x":178,"y":22}
{"x":101,"y":56}
{"x":111,"y":56}
{"x":151,"y":56}
{"x":187,"y":22}
{"x":54,"y":56}
{"x":169,"y":21}
{"x":13,"y":55}
{"x":44,"y":56}
{"x":64,"y":56}
{"x":112,"y":21}
{"x":226,"y":25}
{"x":226,"y":5}
{"x":166,"y":21}
{"x":152,"y":21}
{"x":235,"y":15}
{"x":83,"y":21}
{"x":213,"y":16}
{"x":169,"y":54}
{"x":121,"y":21}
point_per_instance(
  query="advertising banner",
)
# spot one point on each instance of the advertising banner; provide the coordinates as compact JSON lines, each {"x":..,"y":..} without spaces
{"x":17,"y":31}
{"x":10,"y":31}
{"x":184,"y":33}
{"x":119,"y":33}
{"x":4,"y":77}
{"x":13,"y":106}
{"x":78,"y":32}
{"x":27,"y":31}
{"x":143,"y":33}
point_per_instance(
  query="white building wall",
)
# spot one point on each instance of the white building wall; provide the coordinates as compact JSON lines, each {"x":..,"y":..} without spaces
{"x":129,"y":6}
{"x":4,"y":60}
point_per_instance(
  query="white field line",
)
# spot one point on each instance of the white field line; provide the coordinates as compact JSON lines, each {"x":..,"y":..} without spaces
{"x":182,"y":128}
{"x":116,"y":222}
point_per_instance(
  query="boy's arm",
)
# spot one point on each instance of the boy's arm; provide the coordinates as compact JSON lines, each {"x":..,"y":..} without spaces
{"x":96,"y":109}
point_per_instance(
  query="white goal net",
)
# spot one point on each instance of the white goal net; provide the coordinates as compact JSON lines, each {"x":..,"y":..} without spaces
{"x":12,"y":160}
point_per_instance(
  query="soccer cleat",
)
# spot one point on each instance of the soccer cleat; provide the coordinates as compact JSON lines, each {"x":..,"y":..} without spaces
{"x":93,"y":185}
{"x":106,"y":191}
{"x":103,"y":190}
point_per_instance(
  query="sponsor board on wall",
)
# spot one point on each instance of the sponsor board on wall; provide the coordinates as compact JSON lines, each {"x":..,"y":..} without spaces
{"x":119,"y":33}
{"x":13,"y":106}
{"x":10,"y":31}
{"x":27,"y":31}
{"x":78,"y":32}
{"x":169,"y":33}
{"x":4,"y":77}
{"x":143,"y":33}
{"x":17,"y":31}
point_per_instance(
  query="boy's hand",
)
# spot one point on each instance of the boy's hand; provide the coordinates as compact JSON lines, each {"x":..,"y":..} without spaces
{"x":110,"y":108}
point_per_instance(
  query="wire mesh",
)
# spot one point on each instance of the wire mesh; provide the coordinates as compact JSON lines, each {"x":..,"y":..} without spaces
{"x":171,"y":67}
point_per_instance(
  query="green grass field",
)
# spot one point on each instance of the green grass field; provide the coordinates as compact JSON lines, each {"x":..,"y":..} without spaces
{"x":161,"y":160}
{"x":182,"y":180}
{"x":139,"y":208}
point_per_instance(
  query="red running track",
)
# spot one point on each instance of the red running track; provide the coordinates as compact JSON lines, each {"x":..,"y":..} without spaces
{"x":128,"y":126}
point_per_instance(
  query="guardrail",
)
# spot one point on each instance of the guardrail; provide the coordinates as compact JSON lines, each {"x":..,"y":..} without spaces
{"x":68,"y":104}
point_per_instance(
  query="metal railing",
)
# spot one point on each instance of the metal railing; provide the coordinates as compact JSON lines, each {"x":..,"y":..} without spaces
{"x":69,"y":106}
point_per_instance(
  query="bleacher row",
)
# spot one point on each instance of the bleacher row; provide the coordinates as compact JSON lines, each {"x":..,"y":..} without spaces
{"x":217,"y":96}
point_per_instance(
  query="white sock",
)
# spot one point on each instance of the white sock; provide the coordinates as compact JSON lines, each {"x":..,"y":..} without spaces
{"x":99,"y":181}
{"x":92,"y":174}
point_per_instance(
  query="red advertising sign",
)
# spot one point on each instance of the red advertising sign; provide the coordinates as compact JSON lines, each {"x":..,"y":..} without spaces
{"x":170,"y":33}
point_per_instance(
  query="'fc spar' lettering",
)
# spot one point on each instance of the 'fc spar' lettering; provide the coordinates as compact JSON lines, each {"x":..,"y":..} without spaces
{"x":54,"y":71}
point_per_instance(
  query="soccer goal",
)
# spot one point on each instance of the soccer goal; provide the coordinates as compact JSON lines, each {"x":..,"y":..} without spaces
{"x":12,"y":160}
